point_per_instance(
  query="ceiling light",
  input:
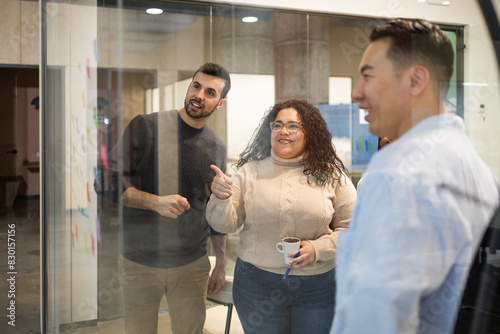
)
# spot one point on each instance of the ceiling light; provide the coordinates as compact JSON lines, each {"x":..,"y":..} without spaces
{"x":439,"y":2}
{"x":420,"y":0}
{"x":154,"y":11}
{"x":249,"y":19}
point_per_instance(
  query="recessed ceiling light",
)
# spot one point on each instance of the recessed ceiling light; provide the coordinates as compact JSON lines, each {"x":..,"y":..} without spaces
{"x":154,"y":11}
{"x":420,"y":0}
{"x":439,"y":2}
{"x":249,"y":19}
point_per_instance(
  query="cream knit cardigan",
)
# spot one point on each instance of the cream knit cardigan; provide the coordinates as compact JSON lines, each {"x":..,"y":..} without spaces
{"x":272,"y":199}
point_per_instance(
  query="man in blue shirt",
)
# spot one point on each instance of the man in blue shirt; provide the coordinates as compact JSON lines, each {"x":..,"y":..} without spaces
{"x":426,"y":198}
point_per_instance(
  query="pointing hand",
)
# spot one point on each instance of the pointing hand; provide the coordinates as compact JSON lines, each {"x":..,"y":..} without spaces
{"x":222,"y":185}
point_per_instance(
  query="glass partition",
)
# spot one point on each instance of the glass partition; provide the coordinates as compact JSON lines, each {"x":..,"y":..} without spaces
{"x":106,"y":63}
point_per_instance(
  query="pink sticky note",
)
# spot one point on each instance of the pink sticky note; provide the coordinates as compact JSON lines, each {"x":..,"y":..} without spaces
{"x":104,"y":157}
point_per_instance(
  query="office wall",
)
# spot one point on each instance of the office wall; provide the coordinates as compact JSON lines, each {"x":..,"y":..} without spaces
{"x":244,"y":118}
{"x":482,"y":106}
{"x":481,"y":96}
{"x":459,"y":12}
{"x":19,"y":32}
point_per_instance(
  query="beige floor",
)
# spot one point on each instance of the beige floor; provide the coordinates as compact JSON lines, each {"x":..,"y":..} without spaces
{"x":25,"y":215}
{"x":116,"y":326}
{"x":214,"y":324}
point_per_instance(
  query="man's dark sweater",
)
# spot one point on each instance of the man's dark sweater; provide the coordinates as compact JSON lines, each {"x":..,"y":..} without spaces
{"x":147,"y":237}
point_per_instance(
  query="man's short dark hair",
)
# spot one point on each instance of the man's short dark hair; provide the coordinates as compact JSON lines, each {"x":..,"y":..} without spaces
{"x":417,"y":41}
{"x":217,"y":71}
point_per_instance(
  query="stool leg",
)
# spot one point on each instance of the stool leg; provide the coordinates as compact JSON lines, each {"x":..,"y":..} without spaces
{"x":228,"y":318}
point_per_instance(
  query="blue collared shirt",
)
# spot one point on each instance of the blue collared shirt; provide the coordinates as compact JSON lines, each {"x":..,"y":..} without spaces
{"x":423,"y":206}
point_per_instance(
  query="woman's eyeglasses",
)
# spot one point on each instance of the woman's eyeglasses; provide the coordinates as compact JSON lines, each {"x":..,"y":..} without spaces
{"x":292,"y":127}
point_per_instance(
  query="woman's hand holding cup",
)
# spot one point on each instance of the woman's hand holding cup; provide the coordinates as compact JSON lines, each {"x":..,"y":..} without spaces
{"x":289,"y":246}
{"x":307,"y":255}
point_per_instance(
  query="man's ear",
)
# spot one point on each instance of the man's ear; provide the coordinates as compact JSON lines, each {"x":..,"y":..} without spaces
{"x":220,"y":104}
{"x":420,"y":79}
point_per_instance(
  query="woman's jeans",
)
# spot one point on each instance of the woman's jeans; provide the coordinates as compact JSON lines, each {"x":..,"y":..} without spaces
{"x":268,"y":304}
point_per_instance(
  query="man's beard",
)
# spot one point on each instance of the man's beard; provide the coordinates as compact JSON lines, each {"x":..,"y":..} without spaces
{"x":194,"y":113}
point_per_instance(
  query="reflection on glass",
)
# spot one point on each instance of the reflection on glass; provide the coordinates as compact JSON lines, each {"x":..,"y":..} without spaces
{"x":108,"y":64}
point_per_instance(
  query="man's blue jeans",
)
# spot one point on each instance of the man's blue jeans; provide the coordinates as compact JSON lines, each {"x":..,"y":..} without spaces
{"x":268,"y":304}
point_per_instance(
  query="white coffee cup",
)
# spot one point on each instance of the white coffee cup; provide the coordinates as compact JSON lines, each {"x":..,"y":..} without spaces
{"x":288,"y":245}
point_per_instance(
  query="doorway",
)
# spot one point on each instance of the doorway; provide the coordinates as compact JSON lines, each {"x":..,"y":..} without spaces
{"x":19,"y":134}
{"x":20,"y":186}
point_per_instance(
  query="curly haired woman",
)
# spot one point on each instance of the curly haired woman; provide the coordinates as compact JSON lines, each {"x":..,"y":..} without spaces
{"x":289,"y":182}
